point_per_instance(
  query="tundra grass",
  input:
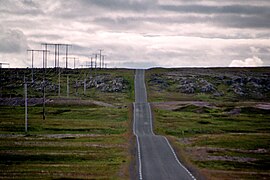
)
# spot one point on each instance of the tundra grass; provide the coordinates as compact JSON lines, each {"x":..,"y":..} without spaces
{"x":166,"y":89}
{"x":216,"y":140}
{"x":12,"y":85}
{"x":79,"y":142}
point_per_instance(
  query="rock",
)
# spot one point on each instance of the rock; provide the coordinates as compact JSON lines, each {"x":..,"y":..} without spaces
{"x":187,"y":88}
{"x":104,"y":83}
{"x":218,"y":94}
{"x":237,"y":89}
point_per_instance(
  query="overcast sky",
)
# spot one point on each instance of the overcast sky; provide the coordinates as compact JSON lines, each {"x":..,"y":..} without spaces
{"x":139,"y":33}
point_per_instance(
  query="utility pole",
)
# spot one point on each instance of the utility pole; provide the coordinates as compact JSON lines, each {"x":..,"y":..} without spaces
{"x":103,"y":63}
{"x":56,"y":53}
{"x":44,"y":82}
{"x":67,"y":86}
{"x":66,"y":56}
{"x":100,"y":58}
{"x":32,"y":59}
{"x":84,"y":87}
{"x":76,"y":86}
{"x":44,"y":98}
{"x":59,"y":82}
{"x":74,"y":61}
{"x":91,"y":62}
{"x":32,"y":66}
{"x":91,"y":67}
{"x":46,"y":59}
{"x":67,"y":45}
{"x":95,"y":60}
{"x":25,"y":104}
{"x":44,"y":65}
{"x":44,"y":55}
{"x":59,"y":70}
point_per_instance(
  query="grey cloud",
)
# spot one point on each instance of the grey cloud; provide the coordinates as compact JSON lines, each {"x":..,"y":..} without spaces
{"x":237,"y":16}
{"x":51,"y":37}
{"x":12,"y":41}
{"x":147,"y":21}
{"x":80,"y":9}
{"x":206,"y":9}
{"x":18,"y":7}
{"x":123,"y":5}
{"x":255,"y":21}
{"x":229,"y":20}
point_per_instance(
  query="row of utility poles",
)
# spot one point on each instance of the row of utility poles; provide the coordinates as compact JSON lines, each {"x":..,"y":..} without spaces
{"x":45,"y":51}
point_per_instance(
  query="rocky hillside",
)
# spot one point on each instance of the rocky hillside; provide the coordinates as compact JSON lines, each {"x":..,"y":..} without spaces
{"x":251,"y":83}
{"x":12,"y":81}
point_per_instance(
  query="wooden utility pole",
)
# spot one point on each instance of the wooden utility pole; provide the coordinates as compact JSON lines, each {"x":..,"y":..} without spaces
{"x":95,"y":61}
{"x":67,"y":86}
{"x":91,"y":62}
{"x":91,"y":67}
{"x":44,"y":81}
{"x":103,"y":61}
{"x":25,"y":104}
{"x":84,"y":87}
{"x":56,"y":53}
{"x":76,"y":87}
{"x":74,"y":61}
{"x":66,"y":56}
{"x":44,"y":99}
{"x":44,"y":66}
{"x":59,"y":82}
{"x":100,"y":65}
{"x":32,"y":59}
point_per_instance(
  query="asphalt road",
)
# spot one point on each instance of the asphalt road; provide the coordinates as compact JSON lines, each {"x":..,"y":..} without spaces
{"x":156,"y":158}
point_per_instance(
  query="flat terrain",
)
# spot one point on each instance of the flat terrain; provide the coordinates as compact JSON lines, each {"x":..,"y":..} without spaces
{"x":84,"y":136}
{"x":222,"y":133}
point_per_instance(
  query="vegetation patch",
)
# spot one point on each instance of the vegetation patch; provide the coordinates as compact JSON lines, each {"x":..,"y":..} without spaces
{"x":85,"y":133}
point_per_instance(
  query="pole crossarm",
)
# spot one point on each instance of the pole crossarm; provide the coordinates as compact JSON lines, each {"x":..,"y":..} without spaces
{"x":57,"y":45}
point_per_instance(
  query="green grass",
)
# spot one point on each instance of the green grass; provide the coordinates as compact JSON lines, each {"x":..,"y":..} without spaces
{"x":238,"y":135}
{"x":233,"y":128}
{"x":70,"y":119}
{"x":87,"y":142}
{"x":13,"y":79}
{"x":157,"y":92}
{"x":78,"y":139}
{"x":39,"y":157}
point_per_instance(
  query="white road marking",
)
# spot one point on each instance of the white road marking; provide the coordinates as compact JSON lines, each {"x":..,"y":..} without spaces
{"x":177,"y":160}
{"x":151,"y":128}
{"x":138,"y":145}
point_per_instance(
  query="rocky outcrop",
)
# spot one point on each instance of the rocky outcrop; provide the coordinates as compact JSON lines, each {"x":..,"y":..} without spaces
{"x":105,"y":83}
{"x":243,"y":84}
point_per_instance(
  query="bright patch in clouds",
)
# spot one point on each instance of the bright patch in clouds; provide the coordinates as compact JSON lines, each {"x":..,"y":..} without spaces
{"x":249,"y":62}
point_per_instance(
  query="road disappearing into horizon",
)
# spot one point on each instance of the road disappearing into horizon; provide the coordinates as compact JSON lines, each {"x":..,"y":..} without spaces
{"x":156,"y":158}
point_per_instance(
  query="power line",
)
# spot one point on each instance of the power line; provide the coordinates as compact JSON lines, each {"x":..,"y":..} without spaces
{"x":32,"y":59}
{"x":56,"y":47}
{"x":100,"y":65}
